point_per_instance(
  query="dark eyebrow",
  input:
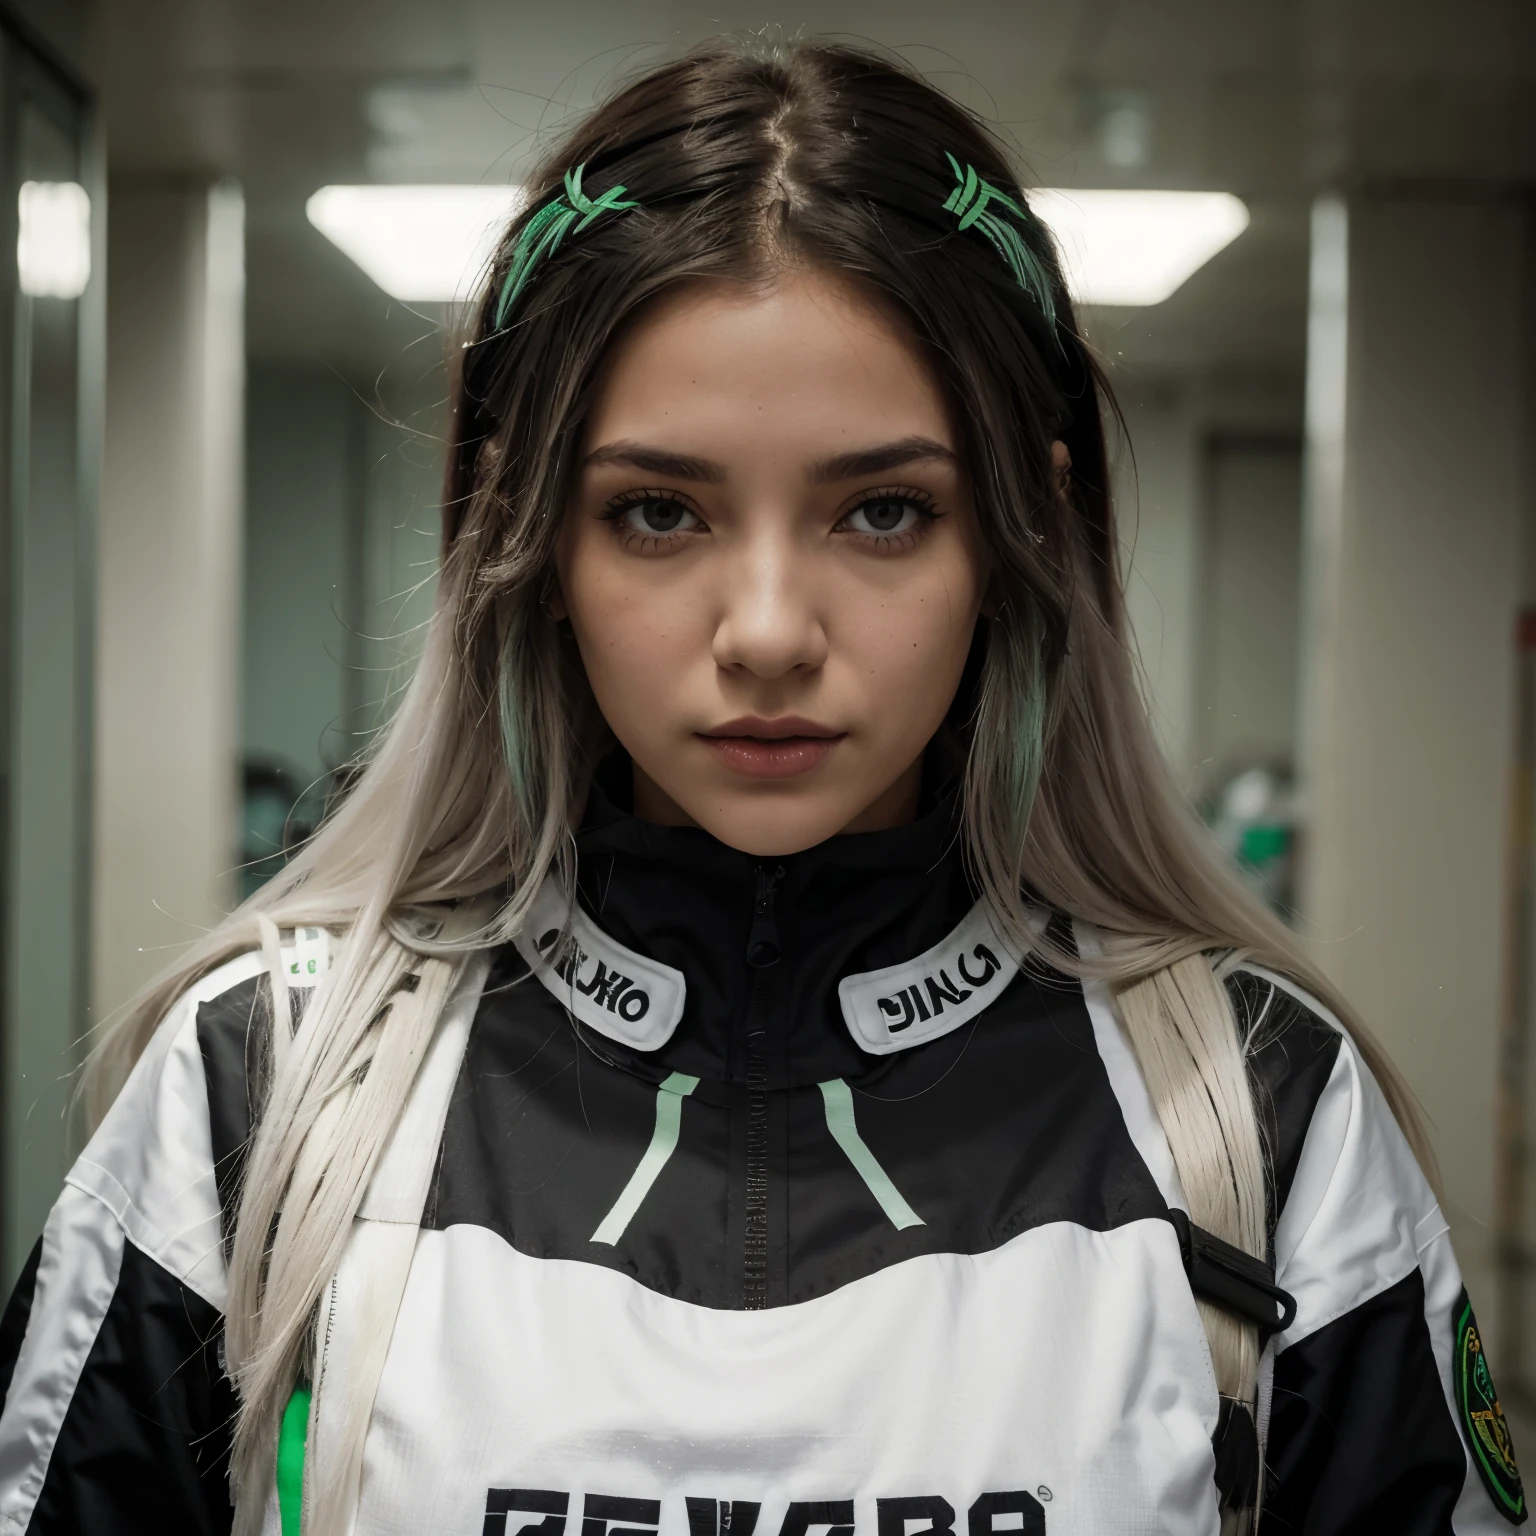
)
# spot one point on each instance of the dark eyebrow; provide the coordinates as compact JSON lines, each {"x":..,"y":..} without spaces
{"x":656,"y":461}
{"x":857,"y":465}
{"x":876,"y":461}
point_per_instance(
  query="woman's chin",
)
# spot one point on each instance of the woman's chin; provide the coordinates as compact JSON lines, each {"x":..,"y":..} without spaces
{"x":773,"y":825}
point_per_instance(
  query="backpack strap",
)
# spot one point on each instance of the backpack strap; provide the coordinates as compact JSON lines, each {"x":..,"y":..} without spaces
{"x":1233,"y":1280}
{"x":1245,"y":1286}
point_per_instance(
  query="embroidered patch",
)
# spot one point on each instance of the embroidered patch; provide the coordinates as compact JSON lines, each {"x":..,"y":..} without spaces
{"x":628,"y":997}
{"x":1483,"y":1419}
{"x":919,"y":1000}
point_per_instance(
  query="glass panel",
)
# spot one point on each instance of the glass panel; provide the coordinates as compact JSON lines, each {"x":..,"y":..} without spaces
{"x":49,"y":603}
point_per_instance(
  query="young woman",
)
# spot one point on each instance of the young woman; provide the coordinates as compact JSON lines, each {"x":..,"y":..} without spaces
{"x":762,"y":1049}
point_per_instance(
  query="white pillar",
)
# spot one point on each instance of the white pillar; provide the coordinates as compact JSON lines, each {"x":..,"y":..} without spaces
{"x":1413,"y":578}
{"x":1156,"y":504}
{"x":166,"y":835}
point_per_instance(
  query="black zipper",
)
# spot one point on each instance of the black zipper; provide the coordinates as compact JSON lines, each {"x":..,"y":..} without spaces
{"x":762,"y":953}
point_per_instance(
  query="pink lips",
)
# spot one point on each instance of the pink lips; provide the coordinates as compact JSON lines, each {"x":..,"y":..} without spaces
{"x":778,"y":748}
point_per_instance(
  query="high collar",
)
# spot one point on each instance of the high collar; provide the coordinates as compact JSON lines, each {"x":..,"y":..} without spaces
{"x":855,"y":904}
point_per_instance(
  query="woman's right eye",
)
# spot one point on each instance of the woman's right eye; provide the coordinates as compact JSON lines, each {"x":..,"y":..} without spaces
{"x":658,"y":515}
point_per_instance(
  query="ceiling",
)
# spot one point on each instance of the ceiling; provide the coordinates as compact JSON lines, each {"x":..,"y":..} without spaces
{"x":1271,"y":99}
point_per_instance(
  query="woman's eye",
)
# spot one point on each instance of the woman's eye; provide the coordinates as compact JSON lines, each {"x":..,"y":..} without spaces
{"x":658,"y":515}
{"x":885,"y":515}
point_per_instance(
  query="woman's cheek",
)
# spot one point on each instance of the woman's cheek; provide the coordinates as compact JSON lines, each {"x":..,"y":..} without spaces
{"x":909,"y":654}
{"x":637,"y":650}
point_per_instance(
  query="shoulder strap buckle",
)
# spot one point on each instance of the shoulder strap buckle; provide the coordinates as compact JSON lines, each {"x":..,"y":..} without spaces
{"x":1231,"y":1279}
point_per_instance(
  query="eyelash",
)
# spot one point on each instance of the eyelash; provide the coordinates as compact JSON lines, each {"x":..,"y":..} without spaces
{"x":614,"y":512}
{"x":918,"y":500}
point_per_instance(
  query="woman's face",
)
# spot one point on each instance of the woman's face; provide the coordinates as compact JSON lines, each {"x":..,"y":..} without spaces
{"x":770,"y":561}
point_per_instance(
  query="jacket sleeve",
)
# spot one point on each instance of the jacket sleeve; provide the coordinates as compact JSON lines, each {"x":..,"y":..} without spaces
{"x":117,"y":1409}
{"x":1381,"y":1414}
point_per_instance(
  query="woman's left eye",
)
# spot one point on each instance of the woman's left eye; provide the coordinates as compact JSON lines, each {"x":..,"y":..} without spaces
{"x":887,"y":516}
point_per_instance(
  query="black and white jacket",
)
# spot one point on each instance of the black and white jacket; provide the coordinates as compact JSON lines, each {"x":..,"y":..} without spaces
{"x":783,"y":1202}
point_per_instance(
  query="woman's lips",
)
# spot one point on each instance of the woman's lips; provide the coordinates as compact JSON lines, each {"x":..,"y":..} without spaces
{"x":772,"y":749}
{"x":781,"y":758}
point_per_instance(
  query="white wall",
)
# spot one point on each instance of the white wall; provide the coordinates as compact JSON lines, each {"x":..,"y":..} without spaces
{"x":1249,"y":645}
{"x":169,"y":616}
{"x":1157,"y":489}
{"x":1208,"y":498}
{"x":1414,"y":518}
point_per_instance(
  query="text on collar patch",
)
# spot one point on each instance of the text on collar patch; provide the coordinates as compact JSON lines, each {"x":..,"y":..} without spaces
{"x":921,"y":999}
{"x":619,"y":993}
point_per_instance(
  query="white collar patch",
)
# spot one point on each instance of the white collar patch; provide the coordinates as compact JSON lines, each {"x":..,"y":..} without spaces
{"x":919,"y":1000}
{"x":611,"y":989}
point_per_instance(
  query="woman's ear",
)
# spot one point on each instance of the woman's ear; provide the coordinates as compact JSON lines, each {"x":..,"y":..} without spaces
{"x":554,"y":600}
{"x":1061,"y":467}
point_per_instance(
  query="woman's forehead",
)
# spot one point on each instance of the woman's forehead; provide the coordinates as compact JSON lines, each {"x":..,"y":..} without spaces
{"x":808,"y":365}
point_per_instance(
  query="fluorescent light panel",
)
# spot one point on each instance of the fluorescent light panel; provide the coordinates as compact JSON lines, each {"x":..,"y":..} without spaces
{"x":427,"y":244}
{"x":1136,"y":248}
{"x":53,"y":239}
{"x":420,"y":244}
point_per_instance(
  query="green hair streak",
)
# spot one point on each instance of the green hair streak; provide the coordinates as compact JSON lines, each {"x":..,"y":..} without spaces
{"x":973,"y":202}
{"x":568,"y":211}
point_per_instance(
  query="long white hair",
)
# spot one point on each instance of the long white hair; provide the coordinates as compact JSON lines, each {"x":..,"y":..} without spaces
{"x":738,"y":161}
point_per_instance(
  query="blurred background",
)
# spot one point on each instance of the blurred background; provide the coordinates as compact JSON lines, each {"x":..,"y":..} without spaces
{"x":220,"y":440}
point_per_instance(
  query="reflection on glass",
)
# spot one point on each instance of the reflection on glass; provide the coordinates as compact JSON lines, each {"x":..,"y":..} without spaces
{"x":53,"y":239}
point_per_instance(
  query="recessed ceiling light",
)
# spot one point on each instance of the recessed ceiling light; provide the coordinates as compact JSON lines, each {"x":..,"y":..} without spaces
{"x":1134,"y":247}
{"x":430,"y":243}
{"x":53,"y":239}
{"x":420,"y":244}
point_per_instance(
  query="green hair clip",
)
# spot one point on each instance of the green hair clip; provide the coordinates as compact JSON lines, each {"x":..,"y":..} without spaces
{"x":542,"y":234}
{"x":970,"y":201}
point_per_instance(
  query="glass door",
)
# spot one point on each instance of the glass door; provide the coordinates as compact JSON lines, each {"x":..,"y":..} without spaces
{"x":50,"y":388}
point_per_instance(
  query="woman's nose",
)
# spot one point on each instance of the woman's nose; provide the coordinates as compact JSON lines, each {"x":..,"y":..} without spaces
{"x":769,"y":622}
